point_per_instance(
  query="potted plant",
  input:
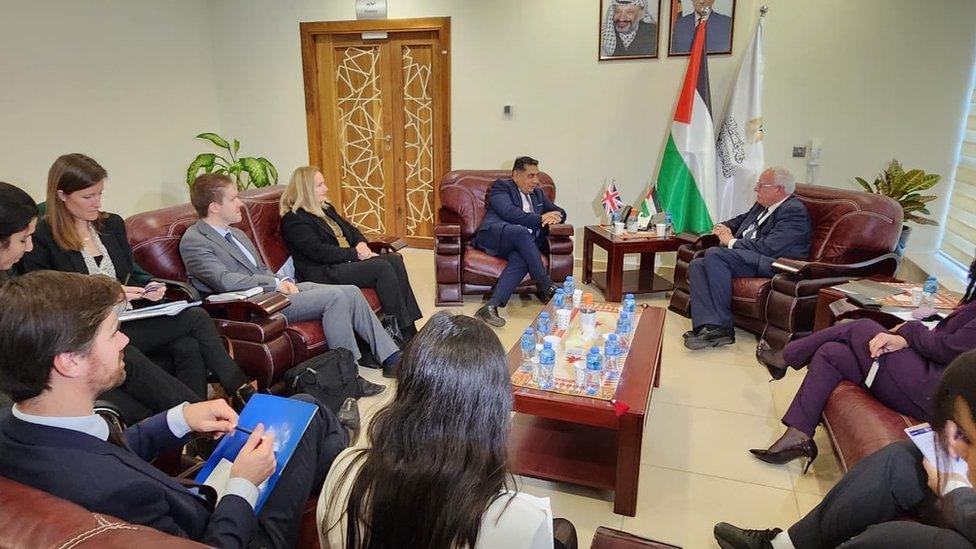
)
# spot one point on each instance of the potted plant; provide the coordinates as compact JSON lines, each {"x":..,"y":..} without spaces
{"x":906,"y":188}
{"x":246,"y":171}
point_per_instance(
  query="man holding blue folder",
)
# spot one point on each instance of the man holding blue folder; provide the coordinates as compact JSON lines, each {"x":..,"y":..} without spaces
{"x":60,"y":347}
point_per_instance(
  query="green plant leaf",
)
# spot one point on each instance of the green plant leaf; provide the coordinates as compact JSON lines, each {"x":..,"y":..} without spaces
{"x":215,"y":139}
{"x":205,"y":161}
{"x":863,"y":183}
{"x":927,"y":198}
{"x":257,"y":176}
{"x":237,"y":147}
{"x":270,"y":169}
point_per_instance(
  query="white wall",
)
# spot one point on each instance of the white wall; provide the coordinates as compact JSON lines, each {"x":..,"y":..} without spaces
{"x":127,"y":82}
{"x":872,"y":79}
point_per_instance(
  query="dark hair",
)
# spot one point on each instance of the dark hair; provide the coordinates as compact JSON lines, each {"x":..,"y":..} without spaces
{"x":17,"y":209}
{"x":971,"y":287}
{"x":44,"y":314}
{"x":207,"y":189}
{"x":958,"y":383}
{"x":70,"y":173}
{"x":438,"y":452}
{"x":522,"y":162}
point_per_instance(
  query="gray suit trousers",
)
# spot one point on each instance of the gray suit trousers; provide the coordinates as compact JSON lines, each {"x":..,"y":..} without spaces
{"x":345,"y":313}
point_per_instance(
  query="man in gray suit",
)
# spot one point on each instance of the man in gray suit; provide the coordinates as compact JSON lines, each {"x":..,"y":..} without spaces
{"x":221,"y":258}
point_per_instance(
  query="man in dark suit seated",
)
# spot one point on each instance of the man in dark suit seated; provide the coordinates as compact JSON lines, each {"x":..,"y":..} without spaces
{"x":516,"y":227}
{"x":60,"y":347}
{"x":776,"y":226}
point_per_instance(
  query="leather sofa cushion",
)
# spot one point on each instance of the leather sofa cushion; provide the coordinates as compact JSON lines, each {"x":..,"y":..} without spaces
{"x":310,"y":332}
{"x":859,"y":424}
{"x":481,"y":268}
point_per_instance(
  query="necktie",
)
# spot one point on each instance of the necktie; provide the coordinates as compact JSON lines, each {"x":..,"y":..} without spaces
{"x":753,"y":228}
{"x":229,"y":237}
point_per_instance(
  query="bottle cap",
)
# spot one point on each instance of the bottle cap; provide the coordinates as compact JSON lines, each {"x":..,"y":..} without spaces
{"x":547,"y":345}
{"x":629,"y":296}
{"x":544,"y":315}
{"x":528,"y":331}
{"x":560,"y":291}
{"x":587,"y":297}
{"x":594,"y":350}
{"x":570,"y":277}
{"x":612,"y":337}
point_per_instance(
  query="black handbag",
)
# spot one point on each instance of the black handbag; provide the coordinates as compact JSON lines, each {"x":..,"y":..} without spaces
{"x":330,"y":377}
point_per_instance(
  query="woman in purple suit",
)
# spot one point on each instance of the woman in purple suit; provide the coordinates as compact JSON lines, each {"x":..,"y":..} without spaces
{"x":911,"y":358}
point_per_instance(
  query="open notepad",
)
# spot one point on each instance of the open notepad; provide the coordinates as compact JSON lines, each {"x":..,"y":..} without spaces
{"x":286,"y":418}
{"x":234,"y":296}
{"x":163,"y":309}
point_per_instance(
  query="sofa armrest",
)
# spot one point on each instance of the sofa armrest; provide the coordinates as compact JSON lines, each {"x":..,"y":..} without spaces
{"x":385,"y":243}
{"x":243,"y":310}
{"x":447,"y":239}
{"x":561,"y":230}
{"x":885,"y":265}
{"x":561,"y":239}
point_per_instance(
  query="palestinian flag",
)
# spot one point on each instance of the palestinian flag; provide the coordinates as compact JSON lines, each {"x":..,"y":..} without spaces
{"x":686,"y":181}
{"x":647,"y":208}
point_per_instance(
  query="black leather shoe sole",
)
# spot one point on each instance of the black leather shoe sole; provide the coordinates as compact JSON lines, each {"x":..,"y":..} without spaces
{"x":368,"y":388}
{"x":488,"y":318}
{"x":703,"y":342}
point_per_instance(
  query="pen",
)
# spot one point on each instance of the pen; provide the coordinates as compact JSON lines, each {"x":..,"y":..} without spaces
{"x":243,"y":430}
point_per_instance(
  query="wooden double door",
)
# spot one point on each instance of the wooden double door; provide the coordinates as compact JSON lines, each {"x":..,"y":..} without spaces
{"x":378,"y":113}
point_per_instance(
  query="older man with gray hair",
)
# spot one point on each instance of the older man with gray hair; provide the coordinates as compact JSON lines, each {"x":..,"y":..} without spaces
{"x":629,"y":28}
{"x":776,"y":226}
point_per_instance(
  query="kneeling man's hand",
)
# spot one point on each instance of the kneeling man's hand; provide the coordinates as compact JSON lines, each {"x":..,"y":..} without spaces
{"x":215,"y":417}
{"x":256,"y":460}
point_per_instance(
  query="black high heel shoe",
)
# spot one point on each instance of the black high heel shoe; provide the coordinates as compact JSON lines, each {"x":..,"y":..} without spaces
{"x":807,"y":449}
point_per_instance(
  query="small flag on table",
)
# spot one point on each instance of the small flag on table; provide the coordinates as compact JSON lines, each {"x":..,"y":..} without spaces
{"x":611,"y":198}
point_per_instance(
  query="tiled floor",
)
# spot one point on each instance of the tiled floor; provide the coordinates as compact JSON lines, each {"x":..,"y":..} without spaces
{"x":712,"y":406}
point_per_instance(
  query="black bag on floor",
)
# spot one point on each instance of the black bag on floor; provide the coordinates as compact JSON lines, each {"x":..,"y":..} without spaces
{"x":331,"y":377}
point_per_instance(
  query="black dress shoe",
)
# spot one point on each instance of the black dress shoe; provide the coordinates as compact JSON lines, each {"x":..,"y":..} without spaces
{"x":546,"y":294}
{"x":807,"y":449}
{"x":489,"y":314}
{"x":368,"y":388}
{"x":711,"y":337}
{"x":348,"y":414}
{"x":732,"y":537}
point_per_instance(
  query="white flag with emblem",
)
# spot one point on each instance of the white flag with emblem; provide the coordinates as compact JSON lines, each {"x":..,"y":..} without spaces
{"x":740,"y":141}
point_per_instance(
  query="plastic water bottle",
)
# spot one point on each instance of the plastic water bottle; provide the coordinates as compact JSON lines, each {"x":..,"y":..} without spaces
{"x":559,"y":298}
{"x":594,"y":371}
{"x":667,"y":220}
{"x":929,"y":290}
{"x":542,"y":326}
{"x":568,"y":286}
{"x":611,"y":357}
{"x":587,"y":315}
{"x":630,"y":304}
{"x":623,"y":332}
{"x":547,"y":362}
{"x":528,"y":351}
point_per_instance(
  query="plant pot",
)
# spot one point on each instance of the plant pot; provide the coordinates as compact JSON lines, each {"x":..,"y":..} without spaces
{"x":906,"y":232}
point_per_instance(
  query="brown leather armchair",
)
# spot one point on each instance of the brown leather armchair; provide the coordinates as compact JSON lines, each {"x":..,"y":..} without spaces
{"x":264,"y":345}
{"x":854,"y":234}
{"x":462,"y":269}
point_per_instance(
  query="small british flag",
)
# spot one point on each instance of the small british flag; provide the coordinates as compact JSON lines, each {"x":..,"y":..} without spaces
{"x":611,"y":198}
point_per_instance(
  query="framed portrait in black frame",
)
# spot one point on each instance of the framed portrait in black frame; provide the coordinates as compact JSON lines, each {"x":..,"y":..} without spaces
{"x":684,"y":17}
{"x":629,"y":29}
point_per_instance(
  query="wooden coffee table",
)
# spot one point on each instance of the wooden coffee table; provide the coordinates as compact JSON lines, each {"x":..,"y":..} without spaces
{"x":615,"y":281}
{"x":586,"y":441}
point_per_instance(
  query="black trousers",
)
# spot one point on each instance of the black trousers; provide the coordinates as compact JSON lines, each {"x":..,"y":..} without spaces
{"x":147,"y":389}
{"x":388,"y":275}
{"x":860,"y":511}
{"x":192,"y":346}
{"x":280,"y":519}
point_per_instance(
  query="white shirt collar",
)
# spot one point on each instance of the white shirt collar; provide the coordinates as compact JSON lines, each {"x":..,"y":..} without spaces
{"x":772,"y":207}
{"x":221,"y":231}
{"x":93,"y":424}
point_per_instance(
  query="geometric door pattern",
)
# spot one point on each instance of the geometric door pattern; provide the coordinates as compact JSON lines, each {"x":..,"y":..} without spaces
{"x":361,"y":149}
{"x":418,"y":142}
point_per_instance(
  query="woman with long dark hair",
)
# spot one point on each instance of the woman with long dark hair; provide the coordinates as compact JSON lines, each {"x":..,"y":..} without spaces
{"x":911,"y":360}
{"x":328,"y":249}
{"x":18,"y":217}
{"x":75,"y":235}
{"x":864,"y":509}
{"x":434,"y":472}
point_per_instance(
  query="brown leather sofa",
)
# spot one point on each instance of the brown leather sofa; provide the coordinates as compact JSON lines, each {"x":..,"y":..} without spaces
{"x":264,"y":345}
{"x":854,"y":234}
{"x":858,"y":424}
{"x":464,"y":270}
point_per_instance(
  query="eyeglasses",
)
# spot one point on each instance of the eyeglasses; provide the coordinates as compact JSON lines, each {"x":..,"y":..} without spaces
{"x":757,"y":187}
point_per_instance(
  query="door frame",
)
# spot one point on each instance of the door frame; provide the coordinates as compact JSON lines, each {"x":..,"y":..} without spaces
{"x":314,"y":110}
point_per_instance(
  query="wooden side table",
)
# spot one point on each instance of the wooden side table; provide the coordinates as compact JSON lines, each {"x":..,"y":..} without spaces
{"x":615,"y":281}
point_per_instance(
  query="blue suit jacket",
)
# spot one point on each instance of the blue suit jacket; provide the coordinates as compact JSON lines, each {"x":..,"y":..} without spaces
{"x":786,"y":233}
{"x":505,"y":208}
{"x":718,"y":33}
{"x":105,"y":478}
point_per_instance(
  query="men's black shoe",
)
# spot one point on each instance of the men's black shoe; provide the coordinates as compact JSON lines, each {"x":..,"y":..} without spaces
{"x":731,"y":537}
{"x":348,"y":414}
{"x":368,"y":360}
{"x":489,"y":314}
{"x":368,"y":388}
{"x":711,"y":337}
{"x":391,"y":364}
{"x":545,"y":294}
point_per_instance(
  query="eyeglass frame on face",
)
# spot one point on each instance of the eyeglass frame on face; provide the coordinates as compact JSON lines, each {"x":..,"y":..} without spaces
{"x":766,"y":186}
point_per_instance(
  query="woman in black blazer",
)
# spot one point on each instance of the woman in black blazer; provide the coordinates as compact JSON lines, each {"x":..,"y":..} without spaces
{"x":76,"y":236}
{"x":329,"y":250}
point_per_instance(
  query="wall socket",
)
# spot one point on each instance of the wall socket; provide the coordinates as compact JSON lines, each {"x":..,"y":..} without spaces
{"x":799,"y":151}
